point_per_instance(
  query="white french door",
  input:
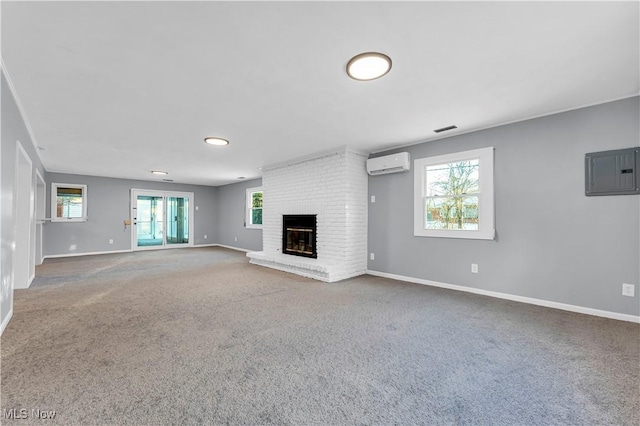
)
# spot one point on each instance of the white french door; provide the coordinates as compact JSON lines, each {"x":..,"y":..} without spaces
{"x":161,"y":219}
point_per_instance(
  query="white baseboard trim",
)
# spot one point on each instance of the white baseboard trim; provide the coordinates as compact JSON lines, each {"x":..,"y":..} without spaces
{"x":507,"y":296}
{"x":232,"y":247}
{"x":54,"y":256}
{"x":5,"y":322}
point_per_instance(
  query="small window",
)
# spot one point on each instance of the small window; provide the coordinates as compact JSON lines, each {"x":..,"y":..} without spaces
{"x":68,"y":202}
{"x":254,"y":208}
{"x":453,"y":195}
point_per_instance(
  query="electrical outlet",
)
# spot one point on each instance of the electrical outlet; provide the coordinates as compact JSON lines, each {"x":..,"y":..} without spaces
{"x":205,"y":236}
{"x":474,"y":268}
{"x":235,"y":238}
{"x":629,"y":290}
{"x":373,"y":198}
{"x":372,"y":256}
{"x":111,"y":241}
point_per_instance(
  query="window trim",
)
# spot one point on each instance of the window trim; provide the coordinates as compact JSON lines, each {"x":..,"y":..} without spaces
{"x":54,"y":203}
{"x":486,"y":200}
{"x":248,"y":208}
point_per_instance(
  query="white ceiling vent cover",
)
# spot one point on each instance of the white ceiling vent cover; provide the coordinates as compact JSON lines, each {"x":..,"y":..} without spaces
{"x":393,"y":163}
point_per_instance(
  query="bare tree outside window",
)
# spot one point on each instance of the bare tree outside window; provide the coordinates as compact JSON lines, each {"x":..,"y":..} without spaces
{"x":452,"y":196}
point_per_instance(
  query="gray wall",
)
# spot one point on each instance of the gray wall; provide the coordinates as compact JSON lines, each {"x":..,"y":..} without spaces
{"x":108,"y":205}
{"x":553,"y":243}
{"x":13,"y":129}
{"x":231,"y":217}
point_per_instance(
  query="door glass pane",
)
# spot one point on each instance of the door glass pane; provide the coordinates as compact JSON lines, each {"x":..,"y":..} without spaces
{"x":177,"y":220}
{"x":150,"y":220}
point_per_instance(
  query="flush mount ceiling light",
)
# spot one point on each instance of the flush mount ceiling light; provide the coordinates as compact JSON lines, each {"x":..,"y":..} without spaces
{"x":159,"y":172}
{"x":216,"y":141}
{"x":368,"y":66}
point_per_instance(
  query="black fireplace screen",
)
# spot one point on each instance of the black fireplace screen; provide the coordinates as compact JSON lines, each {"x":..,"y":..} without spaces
{"x":299,"y":235}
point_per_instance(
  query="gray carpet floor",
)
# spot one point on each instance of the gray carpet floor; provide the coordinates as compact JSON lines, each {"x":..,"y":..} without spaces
{"x":200,"y":336}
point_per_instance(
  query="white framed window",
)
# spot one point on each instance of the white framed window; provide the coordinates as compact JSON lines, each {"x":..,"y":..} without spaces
{"x":453,"y":195}
{"x":253,"y":217}
{"x":68,"y":202}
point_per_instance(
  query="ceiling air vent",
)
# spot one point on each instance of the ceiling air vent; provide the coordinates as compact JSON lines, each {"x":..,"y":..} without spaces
{"x":444,"y":129}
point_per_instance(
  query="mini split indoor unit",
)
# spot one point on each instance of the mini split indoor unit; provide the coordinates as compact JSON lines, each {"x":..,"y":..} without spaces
{"x":393,"y":163}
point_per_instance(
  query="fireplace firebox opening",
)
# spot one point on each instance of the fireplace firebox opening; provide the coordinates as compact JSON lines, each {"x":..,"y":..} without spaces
{"x":299,"y":235}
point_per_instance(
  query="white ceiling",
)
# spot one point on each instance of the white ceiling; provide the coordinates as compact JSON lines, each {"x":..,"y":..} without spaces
{"x":121,"y":88}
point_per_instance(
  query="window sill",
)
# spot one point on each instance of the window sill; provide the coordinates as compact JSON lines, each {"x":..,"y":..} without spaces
{"x":84,"y":219}
{"x":467,"y":235}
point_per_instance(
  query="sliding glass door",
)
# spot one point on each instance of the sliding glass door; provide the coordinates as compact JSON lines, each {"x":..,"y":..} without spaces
{"x":161,"y":219}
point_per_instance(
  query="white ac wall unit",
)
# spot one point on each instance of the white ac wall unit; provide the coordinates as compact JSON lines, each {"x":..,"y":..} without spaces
{"x":393,"y":163}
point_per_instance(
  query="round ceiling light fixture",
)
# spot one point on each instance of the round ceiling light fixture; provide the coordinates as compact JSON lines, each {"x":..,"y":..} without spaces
{"x":368,"y":66}
{"x":216,"y":141}
{"x":159,"y":172}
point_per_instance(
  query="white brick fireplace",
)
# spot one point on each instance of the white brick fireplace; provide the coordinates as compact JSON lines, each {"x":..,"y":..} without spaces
{"x":332,"y":186}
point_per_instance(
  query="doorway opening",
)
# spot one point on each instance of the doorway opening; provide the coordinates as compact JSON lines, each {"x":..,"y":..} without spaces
{"x":24,"y":231}
{"x":41,"y":201}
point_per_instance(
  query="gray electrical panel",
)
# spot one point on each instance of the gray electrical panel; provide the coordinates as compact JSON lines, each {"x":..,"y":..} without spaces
{"x":612,"y":172}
